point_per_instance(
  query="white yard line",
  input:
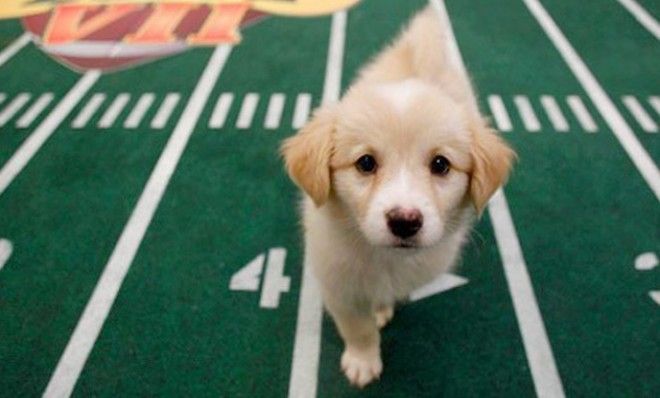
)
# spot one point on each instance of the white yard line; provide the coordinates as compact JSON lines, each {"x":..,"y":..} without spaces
{"x":498,"y":110}
{"x":6,"y":249}
{"x":3,"y":97}
{"x":14,"y":48}
{"x":540,"y":358}
{"x":165,"y":111}
{"x":88,"y":111}
{"x":637,"y":111}
{"x":655,"y":103}
{"x":47,"y":127}
{"x":552,"y":109}
{"x":12,"y":108}
{"x":642,"y":16}
{"x":91,"y":322}
{"x":582,"y":113}
{"x":302,"y":110}
{"x":141,"y":108}
{"x":221,"y":111}
{"x":248,"y":108}
{"x":275,"y":109}
{"x":527,"y":113}
{"x":35,"y":110}
{"x":535,"y":338}
{"x":599,"y":97}
{"x":113,"y":111}
{"x":307,"y":343}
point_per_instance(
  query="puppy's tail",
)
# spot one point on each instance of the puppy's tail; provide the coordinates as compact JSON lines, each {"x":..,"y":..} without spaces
{"x":426,"y":43}
{"x":421,"y":51}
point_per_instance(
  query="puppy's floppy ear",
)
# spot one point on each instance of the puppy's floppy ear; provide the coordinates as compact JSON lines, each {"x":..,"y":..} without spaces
{"x":307,"y":155}
{"x":492,"y":159}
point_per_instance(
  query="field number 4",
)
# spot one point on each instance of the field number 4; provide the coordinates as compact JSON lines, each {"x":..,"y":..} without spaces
{"x":248,"y":278}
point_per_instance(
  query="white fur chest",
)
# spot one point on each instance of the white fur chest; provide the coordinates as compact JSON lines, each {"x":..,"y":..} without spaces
{"x":356,"y":274}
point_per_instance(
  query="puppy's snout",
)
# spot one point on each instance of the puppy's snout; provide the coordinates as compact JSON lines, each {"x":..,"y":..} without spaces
{"x":404,"y":223}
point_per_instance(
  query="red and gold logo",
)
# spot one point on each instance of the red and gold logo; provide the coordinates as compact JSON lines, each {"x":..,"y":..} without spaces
{"x":114,"y":34}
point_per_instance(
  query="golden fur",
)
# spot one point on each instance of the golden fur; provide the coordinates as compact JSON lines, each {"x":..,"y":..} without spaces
{"x":406,"y":108}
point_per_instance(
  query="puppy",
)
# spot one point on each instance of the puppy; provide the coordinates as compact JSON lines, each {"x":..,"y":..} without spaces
{"x":394,"y":176}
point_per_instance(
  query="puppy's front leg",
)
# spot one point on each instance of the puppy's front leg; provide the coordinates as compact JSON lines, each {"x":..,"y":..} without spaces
{"x":361,"y":359}
{"x":384,"y":315}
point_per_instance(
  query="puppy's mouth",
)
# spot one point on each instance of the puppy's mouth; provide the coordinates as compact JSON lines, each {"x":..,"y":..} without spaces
{"x":405,"y":244}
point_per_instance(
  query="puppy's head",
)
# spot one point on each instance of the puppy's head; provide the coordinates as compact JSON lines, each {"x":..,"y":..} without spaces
{"x":403,"y":160}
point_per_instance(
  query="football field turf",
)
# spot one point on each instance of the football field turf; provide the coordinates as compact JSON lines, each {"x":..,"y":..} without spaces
{"x":149,"y":237}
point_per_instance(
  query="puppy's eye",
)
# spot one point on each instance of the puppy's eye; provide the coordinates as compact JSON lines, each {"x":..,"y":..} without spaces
{"x":366,"y":164}
{"x":440,"y":165}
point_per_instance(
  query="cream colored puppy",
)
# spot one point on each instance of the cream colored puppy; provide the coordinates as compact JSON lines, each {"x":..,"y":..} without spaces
{"x":395,"y":174}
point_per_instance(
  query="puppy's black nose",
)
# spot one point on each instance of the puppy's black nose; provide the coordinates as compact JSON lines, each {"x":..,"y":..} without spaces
{"x":404,"y":223}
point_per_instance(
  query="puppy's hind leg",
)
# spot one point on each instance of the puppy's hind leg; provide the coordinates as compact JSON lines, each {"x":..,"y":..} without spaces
{"x":361,"y":358}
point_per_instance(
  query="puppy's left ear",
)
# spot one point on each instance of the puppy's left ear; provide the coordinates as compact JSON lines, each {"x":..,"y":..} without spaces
{"x":307,"y":155}
{"x":492,"y":159}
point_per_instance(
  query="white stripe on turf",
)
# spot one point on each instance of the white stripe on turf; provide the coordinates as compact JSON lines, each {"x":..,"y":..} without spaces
{"x":91,"y":322}
{"x":113,"y":111}
{"x":582,"y":114}
{"x":88,"y":111}
{"x":302,"y":109}
{"x":498,"y":110}
{"x":307,"y":343}
{"x":655,"y":103}
{"x":165,"y":111}
{"x":547,"y":382}
{"x":34,"y":142}
{"x":6,"y":249}
{"x":554,"y":113}
{"x":13,"y":107}
{"x":141,"y":108}
{"x":249,"y":106}
{"x":637,"y":111}
{"x":535,"y":338}
{"x":642,"y":16}
{"x":599,"y":97}
{"x":14,"y":48}
{"x":221,"y":110}
{"x":274,"y":113}
{"x":527,"y":114}
{"x":35,"y":110}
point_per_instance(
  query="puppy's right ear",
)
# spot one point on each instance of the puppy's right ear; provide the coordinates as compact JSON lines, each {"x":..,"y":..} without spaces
{"x":307,"y":155}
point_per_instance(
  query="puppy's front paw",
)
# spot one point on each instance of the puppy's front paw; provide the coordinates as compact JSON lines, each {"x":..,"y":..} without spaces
{"x":384,"y":316}
{"x":361,"y":367}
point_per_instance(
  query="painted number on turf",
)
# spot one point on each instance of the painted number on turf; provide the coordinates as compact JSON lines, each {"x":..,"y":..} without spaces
{"x":647,"y":262}
{"x":275,"y":283}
